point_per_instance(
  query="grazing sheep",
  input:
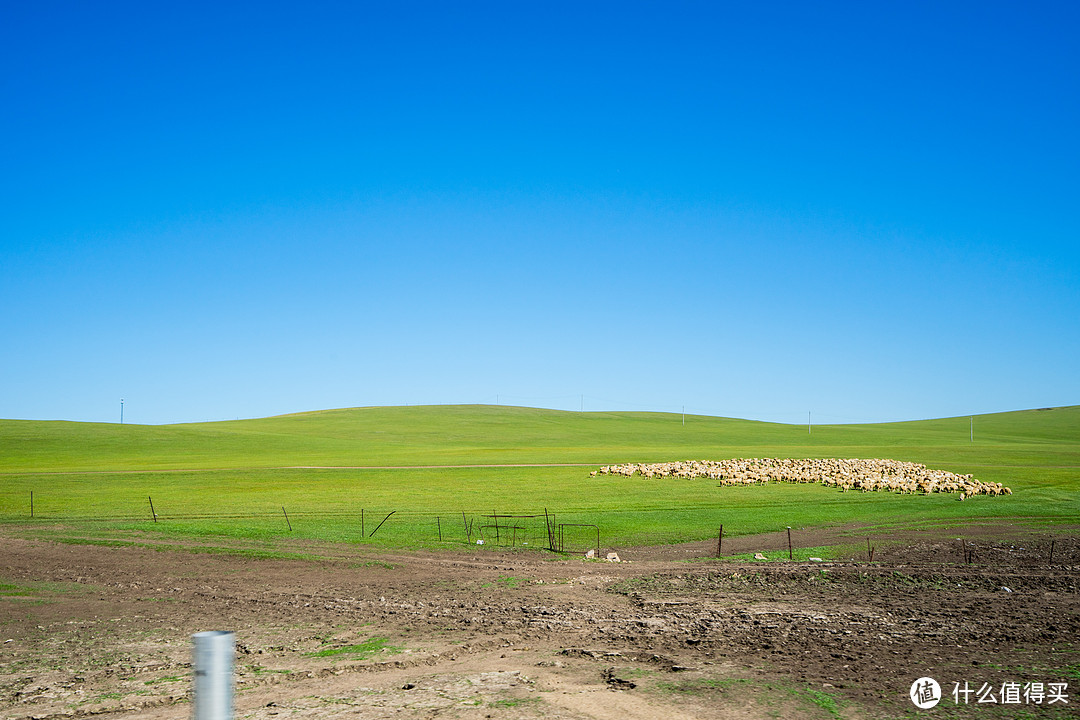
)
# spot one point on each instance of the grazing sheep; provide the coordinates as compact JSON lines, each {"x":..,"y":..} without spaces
{"x":845,"y":474}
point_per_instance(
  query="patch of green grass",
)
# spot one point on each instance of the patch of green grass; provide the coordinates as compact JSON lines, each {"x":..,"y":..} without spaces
{"x":37,"y":589}
{"x":9,"y":590}
{"x":514,"y":702}
{"x":791,"y":701}
{"x":506,"y":581}
{"x":823,"y":700}
{"x":359,"y":651}
{"x":259,"y":670}
{"x":166,"y":679}
{"x":699,"y":686}
{"x":65,"y":538}
{"x":828,"y":552}
{"x":345,"y":700}
{"x":373,"y":563}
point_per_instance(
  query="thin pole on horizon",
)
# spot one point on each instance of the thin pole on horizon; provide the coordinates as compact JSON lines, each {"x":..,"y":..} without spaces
{"x":971,"y":428}
{"x":121,"y":411}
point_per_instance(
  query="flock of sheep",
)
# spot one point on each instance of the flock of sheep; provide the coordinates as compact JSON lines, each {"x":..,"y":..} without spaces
{"x":846,"y":474}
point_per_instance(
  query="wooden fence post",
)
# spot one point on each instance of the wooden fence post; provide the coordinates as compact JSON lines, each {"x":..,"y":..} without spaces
{"x":381,"y":524}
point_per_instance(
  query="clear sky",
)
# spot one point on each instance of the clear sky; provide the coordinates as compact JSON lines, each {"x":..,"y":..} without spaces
{"x":864,"y":210}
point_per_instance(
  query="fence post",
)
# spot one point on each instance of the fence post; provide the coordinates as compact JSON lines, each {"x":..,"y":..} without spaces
{"x":547,"y":526}
{"x":286,"y":518}
{"x":789,"y":557}
{"x":154,"y":514}
{"x":212,"y":662}
{"x":720,"y":541}
{"x":381,"y":524}
{"x":438,"y":521}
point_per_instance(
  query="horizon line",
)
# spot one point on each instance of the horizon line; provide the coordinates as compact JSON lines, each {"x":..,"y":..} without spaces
{"x":548,"y":409}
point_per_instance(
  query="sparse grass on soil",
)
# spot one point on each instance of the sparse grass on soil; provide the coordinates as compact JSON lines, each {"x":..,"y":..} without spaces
{"x":357,"y":651}
{"x":521,"y":635}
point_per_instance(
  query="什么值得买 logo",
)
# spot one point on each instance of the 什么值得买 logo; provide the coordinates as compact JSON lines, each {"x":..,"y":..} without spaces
{"x":925,"y":693}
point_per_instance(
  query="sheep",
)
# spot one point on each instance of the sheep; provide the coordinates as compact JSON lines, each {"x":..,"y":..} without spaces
{"x":867,"y":475}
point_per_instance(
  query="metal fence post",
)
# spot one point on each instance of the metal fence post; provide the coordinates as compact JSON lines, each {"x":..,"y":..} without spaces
{"x":212,"y":662}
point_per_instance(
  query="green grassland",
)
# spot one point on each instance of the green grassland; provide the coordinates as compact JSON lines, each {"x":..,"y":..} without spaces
{"x":233,"y":478}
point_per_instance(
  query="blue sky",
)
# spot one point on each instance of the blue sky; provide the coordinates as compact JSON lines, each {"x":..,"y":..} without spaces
{"x":867,"y":211}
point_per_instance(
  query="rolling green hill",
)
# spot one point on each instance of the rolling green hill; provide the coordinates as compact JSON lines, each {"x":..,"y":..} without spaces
{"x":231,"y":477}
{"x":477,"y":434}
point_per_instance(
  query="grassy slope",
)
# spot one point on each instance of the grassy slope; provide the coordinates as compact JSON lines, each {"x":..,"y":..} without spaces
{"x":484,"y":434}
{"x":1036,"y":452}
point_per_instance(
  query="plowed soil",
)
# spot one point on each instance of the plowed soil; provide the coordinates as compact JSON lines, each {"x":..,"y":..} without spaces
{"x":496,"y":633}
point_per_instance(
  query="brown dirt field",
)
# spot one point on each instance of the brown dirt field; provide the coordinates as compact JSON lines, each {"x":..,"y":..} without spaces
{"x":483,"y":633}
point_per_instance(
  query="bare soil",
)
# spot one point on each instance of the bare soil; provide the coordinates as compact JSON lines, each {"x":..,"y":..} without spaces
{"x":669,"y":632}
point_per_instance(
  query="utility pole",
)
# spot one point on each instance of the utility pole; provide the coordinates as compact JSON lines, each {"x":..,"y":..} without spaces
{"x":121,"y":411}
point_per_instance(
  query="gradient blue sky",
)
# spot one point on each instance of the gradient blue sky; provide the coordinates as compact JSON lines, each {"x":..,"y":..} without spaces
{"x":217,"y":210}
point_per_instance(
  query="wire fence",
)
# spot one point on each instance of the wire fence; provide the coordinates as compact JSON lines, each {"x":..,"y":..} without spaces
{"x":498,"y":529}
{"x":575,"y":531}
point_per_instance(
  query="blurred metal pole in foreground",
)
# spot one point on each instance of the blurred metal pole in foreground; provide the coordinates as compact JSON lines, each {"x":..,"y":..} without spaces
{"x":212,"y":662}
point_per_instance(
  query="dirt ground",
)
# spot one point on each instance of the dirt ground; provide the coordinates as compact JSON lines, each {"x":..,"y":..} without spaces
{"x":495,"y":633}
